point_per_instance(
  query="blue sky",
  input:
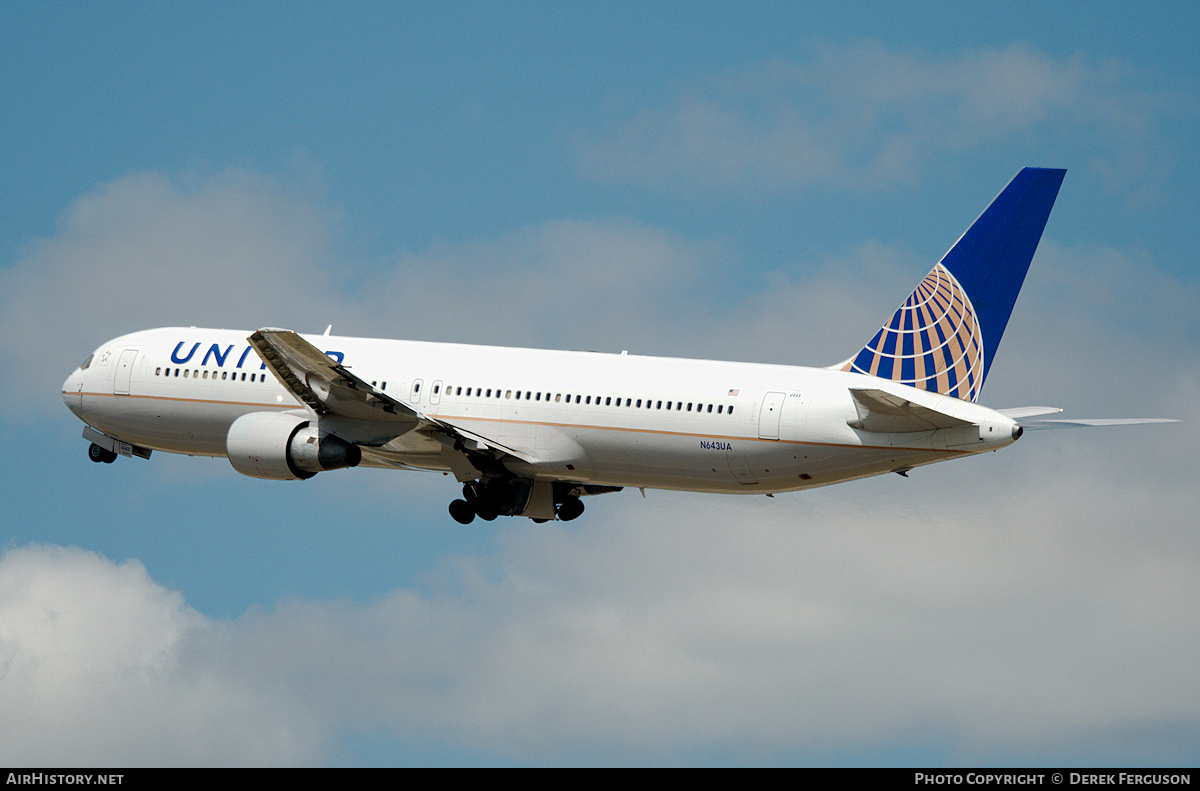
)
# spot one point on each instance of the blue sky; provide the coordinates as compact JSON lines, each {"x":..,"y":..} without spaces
{"x":684,"y":179}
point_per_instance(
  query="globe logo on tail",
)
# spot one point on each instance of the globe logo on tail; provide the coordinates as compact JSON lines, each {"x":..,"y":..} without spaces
{"x":933,"y":342}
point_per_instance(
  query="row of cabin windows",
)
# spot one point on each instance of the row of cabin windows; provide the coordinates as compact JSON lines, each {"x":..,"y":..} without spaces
{"x":479,"y":392}
{"x":197,"y":374}
{"x":648,"y":403}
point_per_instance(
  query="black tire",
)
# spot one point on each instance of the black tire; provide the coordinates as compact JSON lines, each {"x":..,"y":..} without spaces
{"x":571,"y":508}
{"x":99,"y":454}
{"x":462,"y":512}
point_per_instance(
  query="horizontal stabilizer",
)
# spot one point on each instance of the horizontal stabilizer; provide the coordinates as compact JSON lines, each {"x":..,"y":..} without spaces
{"x":883,"y":412}
{"x":1029,"y":411}
{"x":1042,"y":425}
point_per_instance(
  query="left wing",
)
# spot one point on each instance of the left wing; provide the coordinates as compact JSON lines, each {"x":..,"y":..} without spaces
{"x":355,"y":410}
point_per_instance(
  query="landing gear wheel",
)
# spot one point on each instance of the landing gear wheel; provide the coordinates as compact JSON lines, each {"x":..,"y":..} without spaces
{"x":571,"y":508}
{"x":99,"y":454}
{"x":485,"y":511}
{"x":462,"y":512}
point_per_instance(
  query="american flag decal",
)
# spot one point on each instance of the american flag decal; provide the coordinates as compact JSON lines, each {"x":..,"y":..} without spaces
{"x":734,"y":392}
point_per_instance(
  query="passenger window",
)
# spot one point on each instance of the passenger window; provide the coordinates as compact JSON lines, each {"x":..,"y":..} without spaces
{"x":729,"y":411}
{"x":185,"y":374}
{"x":157,"y":371}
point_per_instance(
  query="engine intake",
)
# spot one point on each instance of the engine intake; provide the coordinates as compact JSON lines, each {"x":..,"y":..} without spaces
{"x":285,"y":447}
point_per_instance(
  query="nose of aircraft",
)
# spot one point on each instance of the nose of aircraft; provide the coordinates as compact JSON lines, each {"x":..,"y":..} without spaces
{"x":72,"y":393}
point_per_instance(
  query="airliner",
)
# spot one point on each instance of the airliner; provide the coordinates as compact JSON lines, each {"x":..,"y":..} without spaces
{"x":530,"y":432}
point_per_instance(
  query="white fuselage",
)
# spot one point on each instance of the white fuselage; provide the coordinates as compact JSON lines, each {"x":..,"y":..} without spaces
{"x":592,"y":418}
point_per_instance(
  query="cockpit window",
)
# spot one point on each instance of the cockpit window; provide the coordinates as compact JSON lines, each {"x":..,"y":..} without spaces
{"x":86,"y":362}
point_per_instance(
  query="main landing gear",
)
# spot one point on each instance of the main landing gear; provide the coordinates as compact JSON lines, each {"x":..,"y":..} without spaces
{"x":99,"y":454}
{"x":499,"y":496}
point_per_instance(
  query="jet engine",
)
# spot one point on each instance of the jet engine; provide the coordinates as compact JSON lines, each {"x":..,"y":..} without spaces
{"x":285,"y":447}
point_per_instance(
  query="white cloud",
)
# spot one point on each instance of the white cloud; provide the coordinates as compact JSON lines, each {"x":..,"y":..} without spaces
{"x":235,"y":249}
{"x":560,"y":284}
{"x":863,"y":117}
{"x":229,"y":249}
{"x":1003,"y":600}
{"x":101,"y":666}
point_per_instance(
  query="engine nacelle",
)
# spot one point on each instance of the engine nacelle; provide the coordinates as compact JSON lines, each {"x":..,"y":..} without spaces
{"x":285,"y":447}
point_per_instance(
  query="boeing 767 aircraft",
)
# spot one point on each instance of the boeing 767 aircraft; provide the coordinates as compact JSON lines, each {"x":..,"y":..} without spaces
{"x":530,"y":432}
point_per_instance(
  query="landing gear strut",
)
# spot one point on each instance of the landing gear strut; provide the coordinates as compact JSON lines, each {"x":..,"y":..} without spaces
{"x":99,"y":454}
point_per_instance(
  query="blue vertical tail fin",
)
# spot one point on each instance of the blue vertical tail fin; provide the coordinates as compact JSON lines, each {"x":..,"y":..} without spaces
{"x":945,"y":335}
